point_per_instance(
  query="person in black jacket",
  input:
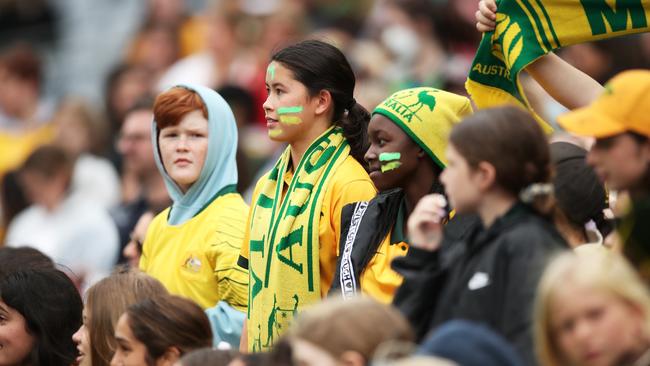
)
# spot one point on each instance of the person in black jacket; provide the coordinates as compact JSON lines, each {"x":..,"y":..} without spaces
{"x":497,"y":159}
{"x":408,"y":136}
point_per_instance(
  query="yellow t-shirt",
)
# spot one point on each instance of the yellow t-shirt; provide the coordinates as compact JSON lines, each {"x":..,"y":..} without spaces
{"x":198,"y":259}
{"x":349,"y":183}
{"x":16,"y":147}
{"x":379,"y":280}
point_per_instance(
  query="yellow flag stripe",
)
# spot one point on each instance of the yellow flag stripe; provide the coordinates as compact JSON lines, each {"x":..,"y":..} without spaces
{"x":537,"y":33}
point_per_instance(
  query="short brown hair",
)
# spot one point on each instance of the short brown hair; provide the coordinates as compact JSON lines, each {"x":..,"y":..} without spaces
{"x":48,"y":161}
{"x":107,"y":300}
{"x":510,"y":140}
{"x":169,"y":321}
{"x":170,"y":106}
{"x":359,"y":324}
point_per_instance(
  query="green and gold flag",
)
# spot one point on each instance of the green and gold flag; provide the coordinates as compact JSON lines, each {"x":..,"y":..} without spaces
{"x":528,"y":29}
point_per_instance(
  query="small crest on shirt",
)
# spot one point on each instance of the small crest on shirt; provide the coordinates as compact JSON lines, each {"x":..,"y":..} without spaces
{"x":193,"y":264}
{"x":479,"y":280}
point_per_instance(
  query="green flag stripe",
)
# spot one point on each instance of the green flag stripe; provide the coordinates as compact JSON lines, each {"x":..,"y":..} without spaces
{"x":550,"y":25}
{"x":538,"y":22}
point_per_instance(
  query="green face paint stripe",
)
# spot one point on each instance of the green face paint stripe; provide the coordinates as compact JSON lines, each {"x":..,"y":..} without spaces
{"x":390,"y":166}
{"x":291,"y":120}
{"x":388,"y":156}
{"x":271,"y":72}
{"x":294,"y":109}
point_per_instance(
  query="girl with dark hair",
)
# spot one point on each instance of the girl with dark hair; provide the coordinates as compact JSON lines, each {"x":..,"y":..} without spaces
{"x":408,"y":135}
{"x":40,"y":309}
{"x":159,"y":330}
{"x":294,"y":224}
{"x":498,"y":167}
{"x":580,"y":197}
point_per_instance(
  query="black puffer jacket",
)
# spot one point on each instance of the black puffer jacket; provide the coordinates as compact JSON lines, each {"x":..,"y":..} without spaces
{"x":489,"y":277}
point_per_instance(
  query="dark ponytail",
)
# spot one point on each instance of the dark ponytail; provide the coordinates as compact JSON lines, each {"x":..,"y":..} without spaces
{"x":321,"y":66}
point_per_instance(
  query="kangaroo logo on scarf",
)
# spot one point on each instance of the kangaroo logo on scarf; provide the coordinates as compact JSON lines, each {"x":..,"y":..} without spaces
{"x":284,"y":246}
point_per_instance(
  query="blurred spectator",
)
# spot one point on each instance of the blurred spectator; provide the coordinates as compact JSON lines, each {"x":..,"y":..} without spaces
{"x":176,"y":15}
{"x":105,"y":303}
{"x":592,"y":309}
{"x":406,"y":29}
{"x":581,"y":197}
{"x":73,"y":232}
{"x":125,"y":86}
{"x":143,"y":187}
{"x":243,"y":107}
{"x":80,"y":133}
{"x":155,"y":48}
{"x":345,"y":331}
{"x":12,"y":201}
{"x":15,"y":259}
{"x":24,"y":114}
{"x":160,"y":330}
{"x":455,"y":338}
{"x":207,"y":357}
{"x":212,"y":66}
{"x":40,"y":311}
{"x":133,"y":249}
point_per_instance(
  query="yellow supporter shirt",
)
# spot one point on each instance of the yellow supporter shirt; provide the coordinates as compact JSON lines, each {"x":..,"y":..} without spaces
{"x":16,"y":147}
{"x":349,"y":183}
{"x":198,"y":259}
{"x":379,"y":280}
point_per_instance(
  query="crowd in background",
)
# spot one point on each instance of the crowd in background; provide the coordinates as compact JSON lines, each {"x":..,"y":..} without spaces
{"x":81,"y":179}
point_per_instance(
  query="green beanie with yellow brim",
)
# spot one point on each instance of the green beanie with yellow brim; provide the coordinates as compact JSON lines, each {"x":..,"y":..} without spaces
{"x":427,"y":115}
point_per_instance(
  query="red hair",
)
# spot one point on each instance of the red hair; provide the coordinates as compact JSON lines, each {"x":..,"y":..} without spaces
{"x":171,"y":106}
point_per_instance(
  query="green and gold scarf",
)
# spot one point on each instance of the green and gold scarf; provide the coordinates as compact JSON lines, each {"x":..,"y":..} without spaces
{"x":528,"y":29}
{"x":284,"y":239}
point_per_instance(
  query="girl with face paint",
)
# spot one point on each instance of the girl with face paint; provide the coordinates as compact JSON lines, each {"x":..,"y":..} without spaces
{"x":408,"y":136}
{"x":294,"y":224}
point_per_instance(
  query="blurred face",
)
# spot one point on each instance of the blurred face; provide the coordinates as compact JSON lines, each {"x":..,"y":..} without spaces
{"x":158,"y":49}
{"x":15,"y":93}
{"x":592,"y":327}
{"x":43,"y":190}
{"x":287,"y":107}
{"x":135,"y":142}
{"x":15,"y":340}
{"x":72,"y":134}
{"x":461,"y":182}
{"x":129,"y":88}
{"x":308,"y":354}
{"x":620,"y":161}
{"x":183,"y":149}
{"x":130,"y":351}
{"x":82,"y":339}
{"x":133,"y":249}
{"x":392,"y":155}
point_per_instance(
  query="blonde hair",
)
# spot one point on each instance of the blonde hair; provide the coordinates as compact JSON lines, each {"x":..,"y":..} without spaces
{"x":107,"y":300}
{"x":359,"y":324}
{"x":601,"y":270}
